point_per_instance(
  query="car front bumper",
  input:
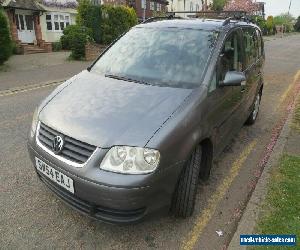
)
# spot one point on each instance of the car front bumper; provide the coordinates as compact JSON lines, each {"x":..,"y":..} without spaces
{"x":107,"y":196}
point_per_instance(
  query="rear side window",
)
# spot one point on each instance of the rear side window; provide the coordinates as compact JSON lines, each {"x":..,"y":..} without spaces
{"x":231,"y":56}
{"x":251,"y":46}
{"x":259,"y":41}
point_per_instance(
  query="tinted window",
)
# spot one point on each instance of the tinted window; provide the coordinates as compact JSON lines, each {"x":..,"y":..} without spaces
{"x":49,"y":26}
{"x":251,"y":45}
{"x":22,"y":22}
{"x":231,"y":55}
{"x":259,"y":42}
{"x":162,"y":57}
{"x":29,"y":22}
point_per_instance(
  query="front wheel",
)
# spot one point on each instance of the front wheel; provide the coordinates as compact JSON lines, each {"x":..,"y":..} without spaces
{"x":253,"y":116}
{"x":185,"y":194}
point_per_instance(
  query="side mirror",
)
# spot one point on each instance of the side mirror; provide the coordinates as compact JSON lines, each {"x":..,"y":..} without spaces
{"x":234,"y":78}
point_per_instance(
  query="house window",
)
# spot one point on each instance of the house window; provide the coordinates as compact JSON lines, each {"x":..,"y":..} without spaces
{"x":197,"y":7}
{"x":29,"y":22}
{"x":48,"y":22}
{"x":144,"y":4}
{"x":191,"y":6}
{"x":152,"y":6}
{"x":57,"y":22}
{"x":158,"y":7}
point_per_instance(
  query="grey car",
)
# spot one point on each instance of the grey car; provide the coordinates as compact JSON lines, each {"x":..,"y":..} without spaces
{"x":131,"y":135}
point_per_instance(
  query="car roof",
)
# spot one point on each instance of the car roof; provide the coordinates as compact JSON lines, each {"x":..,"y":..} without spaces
{"x":194,"y":23}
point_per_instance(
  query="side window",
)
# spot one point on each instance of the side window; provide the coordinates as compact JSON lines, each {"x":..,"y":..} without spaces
{"x":251,"y":45}
{"x":259,"y":41}
{"x":231,"y":56}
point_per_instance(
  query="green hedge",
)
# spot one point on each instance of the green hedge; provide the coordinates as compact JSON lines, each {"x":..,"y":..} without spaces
{"x":297,"y":25}
{"x":74,"y":38}
{"x":105,"y":22}
{"x":57,"y":46}
{"x":100,"y":24}
{"x":116,"y":21}
{"x":6,"y":45}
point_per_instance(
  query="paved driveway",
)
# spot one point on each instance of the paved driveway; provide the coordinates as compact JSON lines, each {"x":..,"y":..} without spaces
{"x":38,"y":68}
{"x":32,"y":217}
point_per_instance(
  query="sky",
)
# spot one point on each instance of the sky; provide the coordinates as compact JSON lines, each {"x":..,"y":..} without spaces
{"x":276,"y":7}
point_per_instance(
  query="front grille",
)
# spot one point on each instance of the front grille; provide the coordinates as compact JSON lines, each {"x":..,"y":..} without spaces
{"x":97,"y":212}
{"x":73,"y":150}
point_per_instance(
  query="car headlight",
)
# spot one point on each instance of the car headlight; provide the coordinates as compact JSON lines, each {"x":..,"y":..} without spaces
{"x":130,"y":160}
{"x":35,"y":121}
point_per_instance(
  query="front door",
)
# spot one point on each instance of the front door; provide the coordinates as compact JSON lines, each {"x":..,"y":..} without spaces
{"x":25,"y":26}
{"x":223,"y":102}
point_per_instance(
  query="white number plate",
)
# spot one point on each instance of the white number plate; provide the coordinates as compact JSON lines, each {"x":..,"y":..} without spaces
{"x":54,"y":175}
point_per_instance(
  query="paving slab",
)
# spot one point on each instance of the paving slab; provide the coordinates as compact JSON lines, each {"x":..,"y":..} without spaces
{"x":23,"y":70}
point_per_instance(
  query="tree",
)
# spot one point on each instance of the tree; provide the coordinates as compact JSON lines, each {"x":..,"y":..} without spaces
{"x":83,"y":9}
{"x":218,"y":5}
{"x":297,"y":25}
{"x":261,"y":23}
{"x":286,"y":20}
{"x":270,"y":25}
{"x":5,"y":40}
{"x":241,"y":5}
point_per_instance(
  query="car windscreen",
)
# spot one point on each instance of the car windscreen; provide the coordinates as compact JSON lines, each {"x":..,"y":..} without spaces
{"x":170,"y":57}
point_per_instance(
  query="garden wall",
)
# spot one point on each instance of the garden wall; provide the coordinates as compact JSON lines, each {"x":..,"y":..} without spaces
{"x":93,"y":50}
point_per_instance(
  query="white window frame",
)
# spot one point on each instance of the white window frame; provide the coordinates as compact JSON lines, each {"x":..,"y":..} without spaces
{"x":152,"y":5}
{"x":59,"y":20}
{"x":191,"y":6}
{"x":144,"y":4}
{"x":158,"y":7}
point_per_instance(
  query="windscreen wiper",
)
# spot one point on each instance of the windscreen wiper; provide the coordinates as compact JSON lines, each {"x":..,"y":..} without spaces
{"x":123,"y":78}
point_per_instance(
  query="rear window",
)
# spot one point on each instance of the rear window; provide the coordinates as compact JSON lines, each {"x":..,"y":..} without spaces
{"x":162,"y":57}
{"x":252,"y":45}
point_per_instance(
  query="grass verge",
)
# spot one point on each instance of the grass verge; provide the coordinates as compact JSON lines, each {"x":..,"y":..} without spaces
{"x":296,"y":118}
{"x":281,"y":211}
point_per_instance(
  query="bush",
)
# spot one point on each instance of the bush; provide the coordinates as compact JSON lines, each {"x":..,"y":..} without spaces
{"x":270,"y":26}
{"x":297,"y":25}
{"x":71,"y":32}
{"x":261,"y":23}
{"x":75,"y":38}
{"x":115,"y":21}
{"x":94,"y":23}
{"x":286,"y":20}
{"x":218,"y":5}
{"x":105,"y":22}
{"x":57,"y":46}
{"x":90,"y":16}
{"x":15,"y":48}
{"x":5,"y":40}
{"x":83,"y":12}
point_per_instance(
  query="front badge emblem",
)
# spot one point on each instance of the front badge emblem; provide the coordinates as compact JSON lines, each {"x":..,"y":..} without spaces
{"x":57,"y":144}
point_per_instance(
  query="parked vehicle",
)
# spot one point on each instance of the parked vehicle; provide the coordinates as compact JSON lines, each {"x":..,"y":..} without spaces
{"x":133,"y":133}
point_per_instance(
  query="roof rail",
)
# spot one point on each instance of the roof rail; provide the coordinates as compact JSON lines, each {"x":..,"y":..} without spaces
{"x":227,"y":15}
{"x":168,"y":16}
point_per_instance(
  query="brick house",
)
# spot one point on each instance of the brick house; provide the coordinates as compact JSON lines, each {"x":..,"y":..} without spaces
{"x":189,"y":5}
{"x":34,"y":25}
{"x":152,"y":7}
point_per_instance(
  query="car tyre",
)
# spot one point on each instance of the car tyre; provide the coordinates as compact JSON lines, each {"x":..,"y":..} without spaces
{"x":256,"y":105}
{"x":185,"y":194}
